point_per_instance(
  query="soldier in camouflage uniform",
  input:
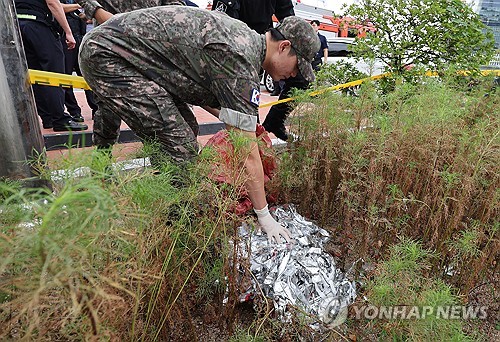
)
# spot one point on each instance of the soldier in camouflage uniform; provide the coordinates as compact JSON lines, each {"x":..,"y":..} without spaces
{"x":144,"y":64}
{"x":107,"y":8}
{"x":122,"y":6}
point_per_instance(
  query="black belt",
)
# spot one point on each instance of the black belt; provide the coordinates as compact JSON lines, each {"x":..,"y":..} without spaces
{"x":28,"y":14}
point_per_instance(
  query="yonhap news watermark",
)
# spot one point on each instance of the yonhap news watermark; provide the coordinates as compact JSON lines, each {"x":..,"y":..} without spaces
{"x":401,"y":312}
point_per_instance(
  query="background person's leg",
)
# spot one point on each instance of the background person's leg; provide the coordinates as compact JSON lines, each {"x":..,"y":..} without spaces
{"x":30,"y":32}
{"x":46,"y":54}
{"x":70,"y":64}
{"x":275,"y":119}
{"x":106,"y":127}
{"x":91,"y":101}
{"x":188,"y":116}
{"x":89,"y":95}
{"x":50,"y":57}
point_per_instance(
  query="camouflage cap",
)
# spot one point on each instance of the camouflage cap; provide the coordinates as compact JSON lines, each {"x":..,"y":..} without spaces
{"x":304,"y":41}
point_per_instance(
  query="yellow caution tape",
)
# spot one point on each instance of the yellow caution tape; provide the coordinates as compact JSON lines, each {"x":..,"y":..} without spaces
{"x":372,"y":78}
{"x":57,"y":80}
{"x":70,"y":81}
{"x":336,"y":87}
{"x":495,"y":72}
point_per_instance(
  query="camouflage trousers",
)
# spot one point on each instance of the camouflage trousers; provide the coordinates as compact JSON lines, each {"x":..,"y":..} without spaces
{"x":153,"y":113}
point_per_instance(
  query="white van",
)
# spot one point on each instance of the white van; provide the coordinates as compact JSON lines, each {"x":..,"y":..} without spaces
{"x":340,"y":49}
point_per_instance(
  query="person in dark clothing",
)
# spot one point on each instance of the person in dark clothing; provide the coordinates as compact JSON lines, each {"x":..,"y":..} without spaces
{"x":275,"y":119}
{"x":277,"y":88}
{"x":323,"y":50}
{"x":41,"y":23}
{"x":78,"y":27}
{"x":258,"y":15}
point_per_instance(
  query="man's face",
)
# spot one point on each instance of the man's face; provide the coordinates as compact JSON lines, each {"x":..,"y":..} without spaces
{"x":315,"y":27}
{"x":283,"y":64}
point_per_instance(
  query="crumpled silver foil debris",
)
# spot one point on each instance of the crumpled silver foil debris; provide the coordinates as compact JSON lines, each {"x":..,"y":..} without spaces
{"x":300,"y":274}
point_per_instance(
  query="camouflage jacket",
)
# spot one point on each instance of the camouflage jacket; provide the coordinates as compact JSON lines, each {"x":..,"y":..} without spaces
{"x":121,"y":6}
{"x":201,"y":57}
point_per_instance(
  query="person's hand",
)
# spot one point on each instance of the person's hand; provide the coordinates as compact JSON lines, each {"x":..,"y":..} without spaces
{"x":273,"y":229}
{"x":70,"y":41}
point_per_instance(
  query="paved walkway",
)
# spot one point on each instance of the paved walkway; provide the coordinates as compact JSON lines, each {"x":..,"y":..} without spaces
{"x":121,"y":151}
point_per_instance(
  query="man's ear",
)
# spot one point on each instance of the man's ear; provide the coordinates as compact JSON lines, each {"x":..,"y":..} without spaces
{"x":284,"y":45}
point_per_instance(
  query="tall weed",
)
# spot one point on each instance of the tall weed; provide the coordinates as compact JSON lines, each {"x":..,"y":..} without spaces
{"x":138,"y":255}
{"x":401,"y":280}
{"x":421,"y":162}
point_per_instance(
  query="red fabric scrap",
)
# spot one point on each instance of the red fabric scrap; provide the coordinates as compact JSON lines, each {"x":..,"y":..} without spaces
{"x":224,"y":172}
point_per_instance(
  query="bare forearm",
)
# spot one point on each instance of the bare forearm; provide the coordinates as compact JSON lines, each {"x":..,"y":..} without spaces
{"x":254,"y":183}
{"x":101,"y":15}
{"x":70,"y":7}
{"x":57,"y":11}
{"x":254,"y":173}
{"x":255,"y":176}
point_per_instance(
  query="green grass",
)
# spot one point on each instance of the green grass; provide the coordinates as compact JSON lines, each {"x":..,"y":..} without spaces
{"x":421,"y":158}
{"x":111,"y":254}
{"x":145,"y":255}
{"x":416,"y":162}
{"x":401,"y":280}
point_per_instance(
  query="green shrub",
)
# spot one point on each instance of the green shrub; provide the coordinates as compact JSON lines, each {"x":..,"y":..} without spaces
{"x":402,"y":280}
{"x":420,"y":162}
{"x":116,"y":258}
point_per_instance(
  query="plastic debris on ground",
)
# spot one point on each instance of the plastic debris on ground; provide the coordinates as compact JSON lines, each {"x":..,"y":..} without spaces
{"x":300,"y":274}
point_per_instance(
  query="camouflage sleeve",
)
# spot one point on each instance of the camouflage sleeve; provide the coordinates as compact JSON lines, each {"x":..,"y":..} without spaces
{"x":239,"y":101}
{"x":89,"y":7}
{"x":232,"y":71}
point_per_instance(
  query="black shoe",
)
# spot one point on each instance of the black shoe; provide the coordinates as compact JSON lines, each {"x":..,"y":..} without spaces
{"x":47,"y":125}
{"x":275,"y":93}
{"x":77,"y":118}
{"x":278,"y":130}
{"x":71,"y":126}
{"x":280,"y":133}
